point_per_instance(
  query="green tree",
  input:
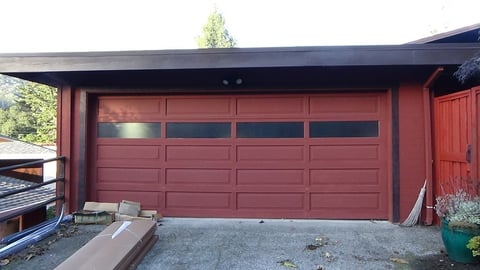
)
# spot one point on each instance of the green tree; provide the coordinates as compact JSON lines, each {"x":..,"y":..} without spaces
{"x":33,"y":115}
{"x":15,"y":123}
{"x":215,"y":35}
{"x":40,"y":101}
{"x":8,"y":88}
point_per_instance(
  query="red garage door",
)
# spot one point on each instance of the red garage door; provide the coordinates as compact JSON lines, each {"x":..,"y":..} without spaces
{"x":269,"y":156}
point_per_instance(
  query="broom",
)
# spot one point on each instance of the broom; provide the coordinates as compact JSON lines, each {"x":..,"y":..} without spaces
{"x":412,"y":219}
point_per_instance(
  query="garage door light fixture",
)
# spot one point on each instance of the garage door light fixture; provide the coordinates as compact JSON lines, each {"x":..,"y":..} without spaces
{"x":238,"y":81}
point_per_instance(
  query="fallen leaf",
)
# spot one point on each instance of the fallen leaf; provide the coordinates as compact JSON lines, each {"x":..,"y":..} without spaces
{"x":398,"y":260}
{"x":4,"y":262}
{"x":288,"y":263}
{"x":329,"y":256}
{"x":312,"y":247}
{"x":321,"y":240}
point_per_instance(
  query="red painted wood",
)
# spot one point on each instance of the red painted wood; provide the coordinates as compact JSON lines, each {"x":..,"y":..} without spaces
{"x":64,"y":146}
{"x":475,"y":140}
{"x":198,"y":107}
{"x":237,"y":177}
{"x":453,"y":132}
{"x":254,"y":106}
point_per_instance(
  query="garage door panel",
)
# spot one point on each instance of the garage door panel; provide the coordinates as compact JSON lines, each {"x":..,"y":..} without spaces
{"x":198,"y":152}
{"x":321,"y":189}
{"x":342,"y":104}
{"x":346,"y":164}
{"x":130,"y":187}
{"x":354,"y":201}
{"x":148,"y":200}
{"x":367,"y":176}
{"x":196,"y":200}
{"x":199,"y":107}
{"x":272,"y":177}
{"x":270,"y":153}
{"x":196,"y":176}
{"x":128,"y":175}
{"x":271,"y":201}
{"x":370,"y":214}
{"x":117,"y":110}
{"x":344,"y":152}
{"x":113,"y":152}
{"x":271,"y":189}
{"x":265,"y":106}
{"x":199,"y":188}
{"x":131,"y":163}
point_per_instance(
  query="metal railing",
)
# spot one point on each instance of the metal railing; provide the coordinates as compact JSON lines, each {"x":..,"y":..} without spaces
{"x":60,"y":189}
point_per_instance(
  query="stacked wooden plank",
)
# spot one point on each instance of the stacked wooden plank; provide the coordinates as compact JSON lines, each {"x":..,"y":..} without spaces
{"x":122,"y":245}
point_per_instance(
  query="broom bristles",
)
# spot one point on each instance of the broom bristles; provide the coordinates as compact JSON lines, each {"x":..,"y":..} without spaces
{"x":412,"y":219}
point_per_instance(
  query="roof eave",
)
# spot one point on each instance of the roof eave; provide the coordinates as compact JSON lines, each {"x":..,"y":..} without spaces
{"x":327,"y":56}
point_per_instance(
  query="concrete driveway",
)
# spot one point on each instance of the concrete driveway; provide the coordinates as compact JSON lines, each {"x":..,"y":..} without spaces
{"x":286,"y":244}
{"x":221,"y":244}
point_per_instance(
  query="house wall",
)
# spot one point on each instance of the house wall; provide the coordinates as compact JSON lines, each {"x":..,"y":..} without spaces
{"x":411,"y":145}
{"x":411,"y":151}
{"x":65,"y":122}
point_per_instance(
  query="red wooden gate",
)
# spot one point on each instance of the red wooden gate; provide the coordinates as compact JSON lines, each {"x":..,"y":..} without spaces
{"x":456,"y":140}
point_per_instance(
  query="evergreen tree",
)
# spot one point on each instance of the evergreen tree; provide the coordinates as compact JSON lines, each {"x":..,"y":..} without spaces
{"x":215,"y":35}
{"x":40,"y":101}
{"x":15,"y":123}
{"x":32,"y":115}
{"x":8,"y":88}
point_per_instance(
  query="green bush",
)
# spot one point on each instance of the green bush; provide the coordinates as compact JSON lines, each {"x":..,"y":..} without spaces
{"x":474,"y":245}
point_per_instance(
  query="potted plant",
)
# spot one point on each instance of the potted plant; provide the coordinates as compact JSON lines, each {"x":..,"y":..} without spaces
{"x":459,"y":213}
{"x":474,"y":245}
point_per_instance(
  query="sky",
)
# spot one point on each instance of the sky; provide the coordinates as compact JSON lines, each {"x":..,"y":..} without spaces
{"x":118,"y":25}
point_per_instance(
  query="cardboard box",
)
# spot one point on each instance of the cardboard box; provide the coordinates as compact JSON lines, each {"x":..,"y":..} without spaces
{"x":121,"y":245}
{"x":96,"y":213}
{"x":143,"y":215}
{"x":129,"y":208}
{"x":100,"y":206}
{"x":153,"y":214}
{"x":93,"y":217}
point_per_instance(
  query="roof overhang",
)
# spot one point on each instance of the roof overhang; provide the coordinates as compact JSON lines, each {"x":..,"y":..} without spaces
{"x":468,"y":33}
{"x":70,"y":68}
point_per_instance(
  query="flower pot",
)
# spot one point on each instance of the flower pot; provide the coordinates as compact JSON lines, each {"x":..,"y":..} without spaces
{"x":455,"y":241}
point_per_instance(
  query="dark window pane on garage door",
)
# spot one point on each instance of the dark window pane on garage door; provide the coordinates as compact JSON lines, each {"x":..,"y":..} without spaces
{"x":329,"y":129}
{"x":270,"y":130}
{"x":129,"y":130}
{"x":199,"y":130}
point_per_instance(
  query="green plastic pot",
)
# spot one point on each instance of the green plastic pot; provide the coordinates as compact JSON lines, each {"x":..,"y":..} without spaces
{"x":455,"y":241}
